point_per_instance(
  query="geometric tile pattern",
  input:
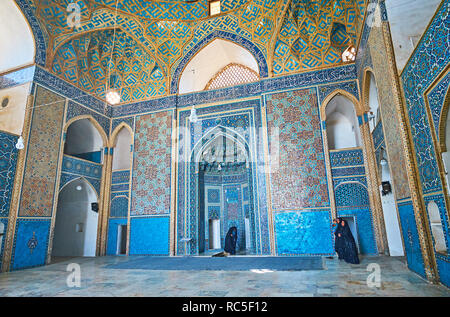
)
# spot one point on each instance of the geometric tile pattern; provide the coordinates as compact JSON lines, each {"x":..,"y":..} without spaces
{"x":346,"y":158}
{"x":151,"y":177}
{"x":119,"y":207}
{"x":436,"y":98}
{"x":299,"y":180}
{"x":119,"y":177}
{"x":213,"y":196}
{"x":8,"y":161}
{"x":351,"y":194}
{"x":431,"y":56}
{"x":42,"y":155}
{"x":315,"y":33}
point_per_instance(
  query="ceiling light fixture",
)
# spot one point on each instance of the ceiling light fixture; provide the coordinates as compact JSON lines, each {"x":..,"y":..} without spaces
{"x":193,"y":116}
{"x":112,"y":97}
{"x":19,"y":144}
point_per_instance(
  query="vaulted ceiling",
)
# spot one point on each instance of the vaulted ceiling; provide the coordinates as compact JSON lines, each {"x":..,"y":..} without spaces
{"x":150,"y":39}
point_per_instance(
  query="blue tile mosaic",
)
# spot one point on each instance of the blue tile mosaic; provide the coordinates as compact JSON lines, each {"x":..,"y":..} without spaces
{"x":351,"y":194}
{"x":364,"y":226}
{"x":306,"y":79}
{"x":75,"y":109}
{"x":297,"y":232}
{"x":119,"y":206}
{"x":348,"y":86}
{"x":119,"y":177}
{"x":113,"y":224}
{"x":4,"y":224}
{"x":213,"y":195}
{"x":30,"y":244}
{"x":430,"y":58}
{"x":346,"y":158}
{"x":8,"y":161}
{"x":411,"y":238}
{"x":149,"y":235}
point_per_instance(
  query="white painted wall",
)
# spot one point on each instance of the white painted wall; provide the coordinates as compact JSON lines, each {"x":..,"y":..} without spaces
{"x":12,"y":116}
{"x":342,"y":124}
{"x":394,"y":236}
{"x":82,"y":137}
{"x":210,"y":60}
{"x":74,"y":207}
{"x":408,"y":20}
{"x":373,"y":102}
{"x":16,"y":38}
{"x":122,"y":151}
{"x":436,"y":227}
{"x":2,"y":234}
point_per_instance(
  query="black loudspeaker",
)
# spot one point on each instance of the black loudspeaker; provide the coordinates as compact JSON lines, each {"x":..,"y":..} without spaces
{"x":94,"y":207}
{"x":385,"y":188}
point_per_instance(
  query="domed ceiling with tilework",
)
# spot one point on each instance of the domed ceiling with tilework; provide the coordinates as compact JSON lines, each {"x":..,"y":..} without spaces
{"x":139,"y":50}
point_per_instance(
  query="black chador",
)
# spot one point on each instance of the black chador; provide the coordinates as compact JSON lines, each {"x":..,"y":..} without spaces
{"x":345,"y":244}
{"x":230,"y":241}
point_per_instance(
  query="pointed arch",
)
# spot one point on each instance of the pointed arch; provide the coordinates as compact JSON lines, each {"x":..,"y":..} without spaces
{"x":17,"y":37}
{"x":85,"y":181}
{"x":39,"y":34}
{"x":94,"y":123}
{"x":358,"y":109}
{"x":218,"y":34}
{"x":211,"y":135}
{"x":113,"y":137}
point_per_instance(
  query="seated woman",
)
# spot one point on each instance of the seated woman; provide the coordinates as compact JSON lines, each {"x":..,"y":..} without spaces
{"x":230,"y":243}
{"x":345,"y":244}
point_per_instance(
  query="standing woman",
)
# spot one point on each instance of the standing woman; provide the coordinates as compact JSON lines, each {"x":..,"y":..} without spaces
{"x":338,"y":239}
{"x":345,"y":243}
{"x":230,"y":241}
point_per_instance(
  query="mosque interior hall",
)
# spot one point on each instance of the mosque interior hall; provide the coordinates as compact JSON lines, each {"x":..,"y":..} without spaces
{"x":172,"y":148}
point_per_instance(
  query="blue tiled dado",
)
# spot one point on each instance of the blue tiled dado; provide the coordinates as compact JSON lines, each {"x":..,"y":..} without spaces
{"x":297,"y":232}
{"x":111,"y":248}
{"x":31,"y":242}
{"x":149,"y":235}
{"x":411,"y":238}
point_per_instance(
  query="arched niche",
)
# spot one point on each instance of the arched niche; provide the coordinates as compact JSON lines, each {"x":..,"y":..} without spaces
{"x":372,"y":100}
{"x":390,"y":216}
{"x":437,"y":229}
{"x":122,"y":144}
{"x":232,"y":153}
{"x":83,"y":140}
{"x":18,"y":48}
{"x":342,"y":126}
{"x":210,"y":60}
{"x":76,"y":224}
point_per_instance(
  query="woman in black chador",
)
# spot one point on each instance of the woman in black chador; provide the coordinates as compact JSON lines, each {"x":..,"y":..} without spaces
{"x":230,"y":241}
{"x":345,"y":245}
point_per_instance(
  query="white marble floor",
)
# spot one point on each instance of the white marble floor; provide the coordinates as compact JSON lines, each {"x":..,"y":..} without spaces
{"x":337,"y":279}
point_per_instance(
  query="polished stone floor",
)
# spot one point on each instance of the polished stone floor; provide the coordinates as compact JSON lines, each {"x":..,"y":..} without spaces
{"x":337,"y":279}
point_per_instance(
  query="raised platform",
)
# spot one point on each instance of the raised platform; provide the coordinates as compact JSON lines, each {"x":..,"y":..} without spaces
{"x":231,"y":263}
